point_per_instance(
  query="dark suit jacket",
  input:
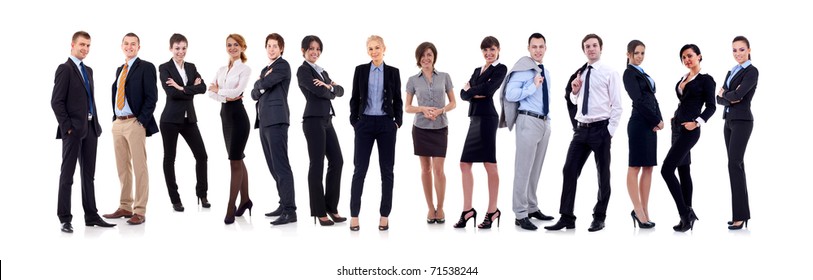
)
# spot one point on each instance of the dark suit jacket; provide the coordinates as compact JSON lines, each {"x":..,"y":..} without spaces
{"x":69,"y":100}
{"x":272,"y":103}
{"x":644,"y":104}
{"x":485,"y":85}
{"x":180,"y":102}
{"x":393,"y":104}
{"x":697,"y":92}
{"x":141,"y":92}
{"x":571,"y":107}
{"x":740,"y":91}
{"x":318,"y":98}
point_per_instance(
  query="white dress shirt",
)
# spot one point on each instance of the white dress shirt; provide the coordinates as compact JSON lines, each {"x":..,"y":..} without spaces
{"x":231,"y":82}
{"x":605,"y":96}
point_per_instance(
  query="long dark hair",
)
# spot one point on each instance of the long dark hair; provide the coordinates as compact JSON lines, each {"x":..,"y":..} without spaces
{"x":744,"y":40}
{"x":631,"y":47}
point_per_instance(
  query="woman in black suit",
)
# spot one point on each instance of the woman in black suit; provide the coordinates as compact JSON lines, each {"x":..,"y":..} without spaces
{"x":481,"y":141}
{"x":694,"y":91}
{"x":323,"y":143}
{"x":736,"y":95}
{"x":376,"y":113}
{"x":644,"y":121}
{"x":228,"y":87}
{"x":181,"y":81}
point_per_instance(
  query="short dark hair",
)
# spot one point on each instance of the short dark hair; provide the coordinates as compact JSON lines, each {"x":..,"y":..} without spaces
{"x":593,"y":36}
{"x":306,"y":43}
{"x":694,"y":48}
{"x":177,"y":38}
{"x":744,"y":40}
{"x":131,"y":34}
{"x":537,"y":36}
{"x":78,"y":34}
{"x":278,"y":38}
{"x":422,"y":48}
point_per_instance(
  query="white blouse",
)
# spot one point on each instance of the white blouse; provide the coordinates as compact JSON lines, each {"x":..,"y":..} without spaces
{"x":231,"y":82}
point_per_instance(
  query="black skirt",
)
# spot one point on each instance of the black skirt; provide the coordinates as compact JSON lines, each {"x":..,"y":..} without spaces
{"x":430,"y":142}
{"x":643,"y":143}
{"x":481,"y":141}
{"x":236,"y":127}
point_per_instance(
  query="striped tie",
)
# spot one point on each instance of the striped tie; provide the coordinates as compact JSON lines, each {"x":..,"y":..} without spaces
{"x":120,"y":94}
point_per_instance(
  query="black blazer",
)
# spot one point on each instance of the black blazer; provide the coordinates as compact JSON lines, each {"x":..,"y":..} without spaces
{"x":737,"y":102}
{"x":485,"y":85}
{"x":141,"y":92}
{"x":180,"y":102}
{"x":644,"y":104}
{"x":697,"y":92}
{"x":69,"y":100}
{"x":272,"y":103}
{"x":318,"y":98}
{"x":393,"y":104}
{"x":572,"y":107}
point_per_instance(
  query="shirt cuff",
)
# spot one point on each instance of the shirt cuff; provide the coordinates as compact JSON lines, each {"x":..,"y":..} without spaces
{"x":700,"y":121}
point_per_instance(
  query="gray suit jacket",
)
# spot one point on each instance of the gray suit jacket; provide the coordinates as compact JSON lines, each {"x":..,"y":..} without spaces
{"x":271,"y":94}
{"x":508,"y":115}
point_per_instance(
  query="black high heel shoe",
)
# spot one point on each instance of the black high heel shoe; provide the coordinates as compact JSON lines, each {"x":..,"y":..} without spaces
{"x":463,"y":220}
{"x":202,"y":201}
{"x":489,"y":219}
{"x":242,"y":209}
{"x":742,"y":223}
{"x":323,"y":223}
{"x":635,"y":219}
{"x":229,"y":218}
{"x":384,"y":227}
{"x":336,"y":218}
{"x":686,"y":222}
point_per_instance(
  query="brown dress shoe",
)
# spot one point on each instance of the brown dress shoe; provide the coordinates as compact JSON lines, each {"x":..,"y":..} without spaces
{"x":118,"y":214}
{"x":137,"y":219}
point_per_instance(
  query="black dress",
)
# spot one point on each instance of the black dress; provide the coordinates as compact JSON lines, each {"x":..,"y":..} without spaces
{"x":481,"y":141}
{"x":236,"y":127}
{"x":646,"y":114}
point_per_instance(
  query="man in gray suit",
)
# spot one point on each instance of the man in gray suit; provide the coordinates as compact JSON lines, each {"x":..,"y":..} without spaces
{"x":273,"y":119}
{"x":525,"y":103}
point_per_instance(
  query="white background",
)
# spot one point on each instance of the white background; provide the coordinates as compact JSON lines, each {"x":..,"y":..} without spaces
{"x":195,"y":243}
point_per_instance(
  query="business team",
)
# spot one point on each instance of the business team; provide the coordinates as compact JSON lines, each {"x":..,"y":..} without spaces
{"x":376,"y":108}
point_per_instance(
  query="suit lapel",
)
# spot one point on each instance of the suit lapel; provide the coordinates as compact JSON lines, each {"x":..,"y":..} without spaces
{"x":737,"y":79}
{"x":79,"y":74}
{"x":132,"y":69}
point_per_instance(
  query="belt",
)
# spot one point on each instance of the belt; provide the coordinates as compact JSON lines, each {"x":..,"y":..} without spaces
{"x":125,"y":117}
{"x":594,"y":124}
{"x":532,"y":114}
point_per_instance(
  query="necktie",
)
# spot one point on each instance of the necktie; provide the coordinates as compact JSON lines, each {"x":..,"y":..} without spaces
{"x":120,"y":94}
{"x":545,"y":109}
{"x":586,"y":91}
{"x":87,"y":86}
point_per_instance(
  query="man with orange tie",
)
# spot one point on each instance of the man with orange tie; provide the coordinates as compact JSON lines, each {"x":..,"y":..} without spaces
{"x":135,"y":93}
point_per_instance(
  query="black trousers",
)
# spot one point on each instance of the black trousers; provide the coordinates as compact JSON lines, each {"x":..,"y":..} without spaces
{"x":274,"y":139}
{"x":369,"y":130}
{"x":679,"y":157}
{"x":190,"y":133}
{"x":736,"y":134}
{"x":82,"y":148}
{"x":595,"y":139}
{"x":323,"y":143}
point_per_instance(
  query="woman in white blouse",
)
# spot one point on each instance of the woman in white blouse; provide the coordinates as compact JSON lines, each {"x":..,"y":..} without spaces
{"x":228,"y":89}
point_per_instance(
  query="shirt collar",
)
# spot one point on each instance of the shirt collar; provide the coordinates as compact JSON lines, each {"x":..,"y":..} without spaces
{"x":380,"y":67}
{"x":496,"y":62}
{"x":131,"y":61}
{"x":75,"y":60}
{"x":434,"y":72}
{"x":318,"y":68}
{"x":638,"y":67}
{"x":596,"y":65}
{"x":743,"y":65}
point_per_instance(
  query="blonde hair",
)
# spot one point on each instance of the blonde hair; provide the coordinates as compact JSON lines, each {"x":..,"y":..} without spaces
{"x":240,"y":41}
{"x":376,"y":38}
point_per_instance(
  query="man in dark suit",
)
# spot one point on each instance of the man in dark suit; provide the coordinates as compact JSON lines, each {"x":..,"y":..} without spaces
{"x":135,"y":93}
{"x":74,"y":105}
{"x":273,"y":119}
{"x":376,"y":113}
{"x":181,"y":81}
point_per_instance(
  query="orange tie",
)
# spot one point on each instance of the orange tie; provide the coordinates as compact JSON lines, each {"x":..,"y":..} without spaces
{"x":120,"y":94}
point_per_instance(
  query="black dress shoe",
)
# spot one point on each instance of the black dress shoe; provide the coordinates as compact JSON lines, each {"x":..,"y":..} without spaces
{"x":275,"y":212}
{"x":98,"y":223}
{"x":538,"y":214}
{"x":596,"y":225}
{"x":66,"y":227}
{"x":285,"y":217}
{"x":177,"y":207}
{"x":525,"y":223}
{"x":564,"y":222}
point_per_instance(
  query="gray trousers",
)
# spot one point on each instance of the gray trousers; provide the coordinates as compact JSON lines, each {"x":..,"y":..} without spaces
{"x":532,"y":144}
